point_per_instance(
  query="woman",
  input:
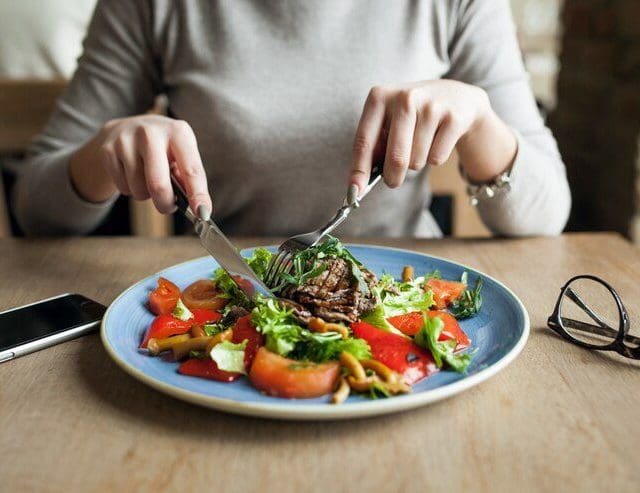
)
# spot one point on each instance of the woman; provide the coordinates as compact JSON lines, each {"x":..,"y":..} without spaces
{"x":266,"y":100}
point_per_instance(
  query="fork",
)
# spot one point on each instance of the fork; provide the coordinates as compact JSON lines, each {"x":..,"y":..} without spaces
{"x":281,"y":262}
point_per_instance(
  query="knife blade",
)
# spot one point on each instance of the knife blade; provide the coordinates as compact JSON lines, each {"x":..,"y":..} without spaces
{"x":220,"y":248}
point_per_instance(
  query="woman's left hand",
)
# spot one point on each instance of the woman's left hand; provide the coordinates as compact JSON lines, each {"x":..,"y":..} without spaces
{"x":412,"y":125}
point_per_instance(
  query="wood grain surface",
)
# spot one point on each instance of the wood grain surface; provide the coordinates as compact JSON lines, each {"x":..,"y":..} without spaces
{"x":559,"y":418}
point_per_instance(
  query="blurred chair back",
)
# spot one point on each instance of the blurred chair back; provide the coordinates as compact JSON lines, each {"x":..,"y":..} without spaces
{"x":446,"y":182}
{"x":25,"y":106}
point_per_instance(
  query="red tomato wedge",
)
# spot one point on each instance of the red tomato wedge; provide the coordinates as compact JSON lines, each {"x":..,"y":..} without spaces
{"x":244,"y":284}
{"x":451,"y":330}
{"x":398,"y":353}
{"x":203,"y":294}
{"x":202,"y":316}
{"x":165,"y":326}
{"x":284,"y":377}
{"x":206,"y":368}
{"x":163,"y":299}
{"x":445,"y":292}
{"x":411,"y":323}
{"x":244,"y":330}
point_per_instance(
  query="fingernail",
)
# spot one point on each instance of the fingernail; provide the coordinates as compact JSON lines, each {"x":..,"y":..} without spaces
{"x":203,"y":212}
{"x":352,"y":195}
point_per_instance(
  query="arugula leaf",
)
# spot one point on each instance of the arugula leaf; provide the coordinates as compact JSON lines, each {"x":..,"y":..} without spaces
{"x":181,"y":312}
{"x":306,"y":265}
{"x":442,"y":351}
{"x":470,"y":302}
{"x":229,"y":356}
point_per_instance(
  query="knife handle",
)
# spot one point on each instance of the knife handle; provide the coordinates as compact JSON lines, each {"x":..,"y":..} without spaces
{"x":182,"y":202}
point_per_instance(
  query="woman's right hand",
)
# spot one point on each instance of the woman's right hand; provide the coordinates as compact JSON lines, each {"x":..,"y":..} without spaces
{"x":136,"y":156}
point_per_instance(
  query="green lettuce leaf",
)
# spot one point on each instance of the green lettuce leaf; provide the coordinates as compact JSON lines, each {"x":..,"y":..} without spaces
{"x":442,"y":351}
{"x":328,"y":346}
{"x":378,"y":319}
{"x":259,"y":262}
{"x":229,"y":356}
{"x":181,"y":312}
{"x":285,"y":336}
{"x":412,"y":297}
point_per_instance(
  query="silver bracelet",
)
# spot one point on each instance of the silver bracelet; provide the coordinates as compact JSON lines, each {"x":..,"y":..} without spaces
{"x":488,"y":190}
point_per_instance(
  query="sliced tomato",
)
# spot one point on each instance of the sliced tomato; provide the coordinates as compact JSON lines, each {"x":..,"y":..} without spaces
{"x":244,"y":330}
{"x":398,"y":353}
{"x":245,"y":285}
{"x":203,"y":294}
{"x":163,"y":299}
{"x":206,"y":368}
{"x":451,"y":330}
{"x":409,"y":323}
{"x":165,"y":326}
{"x":284,"y":377}
{"x":445,"y":292}
{"x":202,"y":316}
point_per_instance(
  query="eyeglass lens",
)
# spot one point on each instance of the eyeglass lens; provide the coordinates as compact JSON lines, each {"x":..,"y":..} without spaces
{"x":589,"y":313}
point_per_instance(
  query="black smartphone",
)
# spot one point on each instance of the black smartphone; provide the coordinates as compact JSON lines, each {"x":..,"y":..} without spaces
{"x":44,"y":323}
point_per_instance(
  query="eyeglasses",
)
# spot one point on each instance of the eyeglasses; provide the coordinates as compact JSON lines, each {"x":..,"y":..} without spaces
{"x":590,"y":313}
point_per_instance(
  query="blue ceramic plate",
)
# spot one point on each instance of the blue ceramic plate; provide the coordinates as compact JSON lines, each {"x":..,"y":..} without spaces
{"x":498,"y":335}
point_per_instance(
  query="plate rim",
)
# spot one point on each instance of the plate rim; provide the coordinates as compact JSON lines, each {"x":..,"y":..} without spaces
{"x":325,"y":411}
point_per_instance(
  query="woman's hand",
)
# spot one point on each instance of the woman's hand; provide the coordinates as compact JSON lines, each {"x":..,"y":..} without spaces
{"x":135,"y":156}
{"x":410,"y":126}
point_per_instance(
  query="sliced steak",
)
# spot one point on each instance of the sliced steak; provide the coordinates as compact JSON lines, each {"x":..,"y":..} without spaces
{"x":335,"y":295}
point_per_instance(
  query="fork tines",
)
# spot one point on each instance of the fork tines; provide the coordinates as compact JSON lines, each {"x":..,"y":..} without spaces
{"x":279,"y":263}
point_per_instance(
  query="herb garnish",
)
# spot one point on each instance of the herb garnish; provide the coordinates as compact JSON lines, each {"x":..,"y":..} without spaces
{"x":470,"y":302}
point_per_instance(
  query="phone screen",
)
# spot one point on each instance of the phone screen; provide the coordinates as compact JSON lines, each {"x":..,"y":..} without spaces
{"x":29,"y":323}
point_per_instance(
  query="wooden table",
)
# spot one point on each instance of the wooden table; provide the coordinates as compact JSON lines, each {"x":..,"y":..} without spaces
{"x":559,"y":418}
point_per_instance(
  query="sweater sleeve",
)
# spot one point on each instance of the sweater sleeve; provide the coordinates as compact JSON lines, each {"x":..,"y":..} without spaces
{"x":116,"y":77}
{"x":484,"y":51}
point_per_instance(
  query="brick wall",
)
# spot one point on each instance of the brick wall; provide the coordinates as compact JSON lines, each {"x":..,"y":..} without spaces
{"x":597,"y":120}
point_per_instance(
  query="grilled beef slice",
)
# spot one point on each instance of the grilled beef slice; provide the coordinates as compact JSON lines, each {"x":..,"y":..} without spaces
{"x":334,"y":295}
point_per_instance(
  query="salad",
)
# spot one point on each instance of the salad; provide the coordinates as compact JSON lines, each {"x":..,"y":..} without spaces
{"x":335,"y":327}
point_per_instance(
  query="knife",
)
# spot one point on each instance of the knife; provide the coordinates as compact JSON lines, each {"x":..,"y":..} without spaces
{"x":220,"y":248}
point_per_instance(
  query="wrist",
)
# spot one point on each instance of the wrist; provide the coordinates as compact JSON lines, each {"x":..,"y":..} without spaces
{"x":88,"y":177}
{"x":487,"y":149}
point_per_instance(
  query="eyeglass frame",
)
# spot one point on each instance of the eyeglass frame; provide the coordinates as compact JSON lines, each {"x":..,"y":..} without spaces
{"x":554,"y":322}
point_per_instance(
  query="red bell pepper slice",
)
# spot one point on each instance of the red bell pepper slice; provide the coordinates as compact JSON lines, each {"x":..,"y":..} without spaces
{"x":206,"y":368}
{"x":398,"y":353}
{"x":244,"y":330}
{"x":166,"y":326}
{"x":202,"y":316}
{"x":445,"y":292}
{"x":162,"y":300}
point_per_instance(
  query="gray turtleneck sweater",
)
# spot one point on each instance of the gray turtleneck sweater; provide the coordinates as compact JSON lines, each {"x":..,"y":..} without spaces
{"x":274,"y":90}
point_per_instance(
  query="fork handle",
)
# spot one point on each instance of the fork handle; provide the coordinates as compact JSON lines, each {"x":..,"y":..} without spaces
{"x":353,"y":197}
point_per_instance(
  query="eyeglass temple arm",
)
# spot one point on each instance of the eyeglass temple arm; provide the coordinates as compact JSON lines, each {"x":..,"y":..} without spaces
{"x":594,"y":329}
{"x":594,"y":316}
